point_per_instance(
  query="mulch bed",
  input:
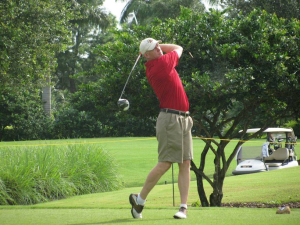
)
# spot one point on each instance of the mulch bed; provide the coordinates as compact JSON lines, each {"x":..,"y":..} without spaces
{"x":261,"y":205}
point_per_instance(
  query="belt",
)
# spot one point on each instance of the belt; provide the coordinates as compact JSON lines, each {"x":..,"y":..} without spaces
{"x":175,"y":112}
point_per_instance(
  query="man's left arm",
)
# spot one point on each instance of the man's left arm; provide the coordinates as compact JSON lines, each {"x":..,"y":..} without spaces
{"x":171,"y":47}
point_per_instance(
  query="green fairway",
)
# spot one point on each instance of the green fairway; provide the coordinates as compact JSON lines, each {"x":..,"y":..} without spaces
{"x":136,"y":156}
{"x":205,"y":216}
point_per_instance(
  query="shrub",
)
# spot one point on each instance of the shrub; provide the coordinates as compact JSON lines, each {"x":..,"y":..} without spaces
{"x":24,"y":116}
{"x":72,"y":123}
{"x":30,"y":175}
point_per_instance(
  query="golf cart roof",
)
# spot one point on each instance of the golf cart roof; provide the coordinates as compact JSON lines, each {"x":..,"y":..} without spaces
{"x":268,"y":130}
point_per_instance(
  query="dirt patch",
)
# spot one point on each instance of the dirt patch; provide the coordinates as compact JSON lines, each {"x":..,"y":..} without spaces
{"x":261,"y":205}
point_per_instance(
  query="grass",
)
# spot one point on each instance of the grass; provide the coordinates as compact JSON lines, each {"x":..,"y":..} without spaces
{"x":113,"y":207}
{"x":136,"y":156}
{"x":220,"y":216}
{"x":34,"y":174}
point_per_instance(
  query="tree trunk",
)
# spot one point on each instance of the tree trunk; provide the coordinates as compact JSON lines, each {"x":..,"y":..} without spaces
{"x":46,"y":97}
{"x":78,"y":41}
{"x":215,"y":198}
{"x":201,"y":192}
{"x":200,"y":187}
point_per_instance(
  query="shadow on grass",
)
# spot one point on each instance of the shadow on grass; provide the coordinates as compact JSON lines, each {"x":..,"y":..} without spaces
{"x":117,"y":221}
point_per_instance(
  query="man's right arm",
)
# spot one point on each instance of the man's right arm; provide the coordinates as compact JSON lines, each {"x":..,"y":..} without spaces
{"x":171,"y":47}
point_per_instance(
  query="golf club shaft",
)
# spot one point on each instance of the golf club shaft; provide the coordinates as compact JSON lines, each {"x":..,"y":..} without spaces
{"x":130,"y":75}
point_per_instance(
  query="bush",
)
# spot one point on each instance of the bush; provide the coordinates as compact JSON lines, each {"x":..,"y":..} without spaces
{"x":31,"y":175}
{"x":34,"y":125}
{"x":124,"y":124}
{"x":24,"y":115}
{"x":71,"y":123}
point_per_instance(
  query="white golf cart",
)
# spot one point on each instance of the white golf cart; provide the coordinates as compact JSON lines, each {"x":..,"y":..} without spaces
{"x":271,"y":155}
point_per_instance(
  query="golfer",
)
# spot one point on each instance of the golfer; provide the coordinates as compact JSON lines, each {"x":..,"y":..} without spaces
{"x":173,"y":125}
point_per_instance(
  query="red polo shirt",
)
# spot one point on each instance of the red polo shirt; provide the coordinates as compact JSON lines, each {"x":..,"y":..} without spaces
{"x":166,"y":82}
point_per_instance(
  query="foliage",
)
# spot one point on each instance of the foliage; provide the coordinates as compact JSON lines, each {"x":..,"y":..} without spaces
{"x":250,"y":75}
{"x":147,"y":10}
{"x":23,"y":112}
{"x":31,"y":32}
{"x":285,"y":9}
{"x":295,"y":124}
{"x":71,"y":123}
{"x":30,"y":175}
{"x":88,"y":29}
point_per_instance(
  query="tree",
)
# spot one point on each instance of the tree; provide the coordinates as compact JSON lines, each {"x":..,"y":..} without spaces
{"x":31,"y":32}
{"x":89,"y":23}
{"x":285,"y":9}
{"x":146,"y":10}
{"x":237,"y":72}
{"x":249,"y":73}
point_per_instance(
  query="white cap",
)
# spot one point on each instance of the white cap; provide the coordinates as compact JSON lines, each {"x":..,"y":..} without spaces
{"x":148,"y":44}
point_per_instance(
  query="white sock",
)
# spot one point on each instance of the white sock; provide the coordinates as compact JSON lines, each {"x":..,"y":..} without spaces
{"x":183,"y":205}
{"x":140,"y":201}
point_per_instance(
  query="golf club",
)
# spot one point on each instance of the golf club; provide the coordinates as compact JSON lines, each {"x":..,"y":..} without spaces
{"x":124,"y":103}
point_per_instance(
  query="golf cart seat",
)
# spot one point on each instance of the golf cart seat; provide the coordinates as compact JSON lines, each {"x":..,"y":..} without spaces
{"x":277,"y":158}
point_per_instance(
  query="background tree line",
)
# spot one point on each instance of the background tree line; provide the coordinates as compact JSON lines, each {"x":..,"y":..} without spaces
{"x":77,"y":46}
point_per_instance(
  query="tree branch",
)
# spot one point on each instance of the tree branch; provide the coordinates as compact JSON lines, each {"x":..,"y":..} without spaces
{"x":200,"y":173}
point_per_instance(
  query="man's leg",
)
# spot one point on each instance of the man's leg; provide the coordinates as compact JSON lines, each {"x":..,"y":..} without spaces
{"x":184,"y":180}
{"x":137,"y":201}
{"x":184,"y":185}
{"x":160,"y":169}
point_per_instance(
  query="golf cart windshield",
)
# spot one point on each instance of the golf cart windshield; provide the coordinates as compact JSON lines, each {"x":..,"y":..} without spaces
{"x":276,"y":138}
{"x":249,"y":152}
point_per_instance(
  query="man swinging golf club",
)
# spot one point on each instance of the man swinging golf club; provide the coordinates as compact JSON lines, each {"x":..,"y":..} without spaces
{"x":173,"y":126}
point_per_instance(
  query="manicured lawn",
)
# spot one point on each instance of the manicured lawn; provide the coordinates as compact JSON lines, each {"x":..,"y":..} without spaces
{"x":203,"y":216}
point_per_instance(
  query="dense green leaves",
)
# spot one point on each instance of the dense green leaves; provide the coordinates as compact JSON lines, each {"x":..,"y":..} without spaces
{"x":285,"y":9}
{"x":88,"y":28}
{"x":31,"y":32}
{"x":147,"y":10}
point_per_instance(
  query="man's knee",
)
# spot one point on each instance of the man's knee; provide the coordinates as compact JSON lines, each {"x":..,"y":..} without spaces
{"x":185,"y":164}
{"x":164,"y":166}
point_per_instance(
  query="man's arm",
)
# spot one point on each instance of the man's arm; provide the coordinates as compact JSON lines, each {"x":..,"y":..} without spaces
{"x":171,"y":47}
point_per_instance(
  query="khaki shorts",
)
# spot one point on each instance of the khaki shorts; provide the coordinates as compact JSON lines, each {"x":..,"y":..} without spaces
{"x":174,"y":136}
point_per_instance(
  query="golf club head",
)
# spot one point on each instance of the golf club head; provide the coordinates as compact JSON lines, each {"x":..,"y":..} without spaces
{"x":123,"y":104}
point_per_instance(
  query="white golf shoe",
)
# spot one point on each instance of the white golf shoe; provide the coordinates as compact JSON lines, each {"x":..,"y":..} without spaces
{"x":181,"y":214}
{"x":136,"y":209}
